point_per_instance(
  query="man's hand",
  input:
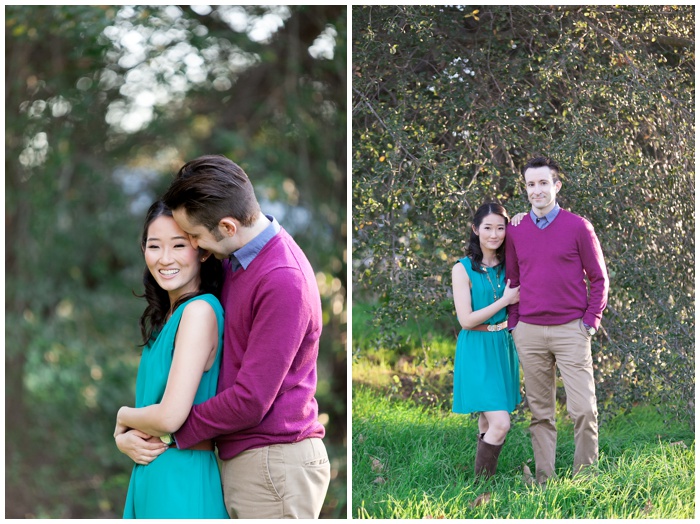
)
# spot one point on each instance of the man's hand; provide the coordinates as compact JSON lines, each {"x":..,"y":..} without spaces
{"x":140,"y":447}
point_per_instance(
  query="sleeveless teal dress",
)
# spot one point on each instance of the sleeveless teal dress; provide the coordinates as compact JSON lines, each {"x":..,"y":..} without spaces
{"x":178,"y":483}
{"x":487,"y":374}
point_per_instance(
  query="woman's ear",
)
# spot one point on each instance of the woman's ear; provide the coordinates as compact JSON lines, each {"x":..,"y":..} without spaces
{"x":203,"y":255}
{"x":476,"y":232}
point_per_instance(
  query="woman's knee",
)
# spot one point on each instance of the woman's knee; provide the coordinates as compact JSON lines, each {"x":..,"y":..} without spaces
{"x":499,"y":425}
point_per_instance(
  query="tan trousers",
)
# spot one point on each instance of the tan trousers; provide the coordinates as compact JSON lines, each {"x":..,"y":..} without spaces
{"x":282,"y":481}
{"x":568,"y":347}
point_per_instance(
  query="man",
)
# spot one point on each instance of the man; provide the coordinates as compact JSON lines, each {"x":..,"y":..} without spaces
{"x":264,"y":417}
{"x":549,"y":256}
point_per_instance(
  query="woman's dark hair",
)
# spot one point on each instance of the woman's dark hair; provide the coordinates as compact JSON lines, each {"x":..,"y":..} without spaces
{"x":474,"y":248}
{"x":156,"y":312}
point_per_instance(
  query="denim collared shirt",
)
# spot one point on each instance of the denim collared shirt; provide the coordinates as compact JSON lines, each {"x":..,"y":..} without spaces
{"x":244,"y":256}
{"x":544,"y":221}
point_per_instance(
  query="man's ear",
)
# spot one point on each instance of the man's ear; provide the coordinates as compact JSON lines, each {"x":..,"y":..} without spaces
{"x":557,"y":185}
{"x":228,"y":226}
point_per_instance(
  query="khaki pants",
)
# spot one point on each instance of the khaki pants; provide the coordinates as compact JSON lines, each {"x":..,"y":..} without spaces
{"x":568,"y":346}
{"x":282,"y":481}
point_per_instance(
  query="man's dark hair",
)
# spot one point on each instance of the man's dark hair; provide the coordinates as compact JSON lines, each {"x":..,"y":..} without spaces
{"x":210,"y":188}
{"x":542,"y":161}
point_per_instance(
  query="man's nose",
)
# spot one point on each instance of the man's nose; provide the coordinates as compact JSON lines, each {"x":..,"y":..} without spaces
{"x":193,"y":242}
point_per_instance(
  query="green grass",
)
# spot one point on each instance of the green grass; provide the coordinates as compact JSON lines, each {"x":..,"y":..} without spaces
{"x":412,"y":461}
{"x":429,"y":340}
{"x":412,"y":458}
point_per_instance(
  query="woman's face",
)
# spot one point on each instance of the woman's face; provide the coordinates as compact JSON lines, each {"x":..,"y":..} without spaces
{"x":171,"y":259}
{"x":491,"y":232}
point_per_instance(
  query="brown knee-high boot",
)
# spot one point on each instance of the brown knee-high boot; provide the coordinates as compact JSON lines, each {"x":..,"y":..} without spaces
{"x":486,"y":457}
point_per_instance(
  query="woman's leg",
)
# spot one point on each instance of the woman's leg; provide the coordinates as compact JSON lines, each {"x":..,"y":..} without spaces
{"x":489,"y":446}
{"x":483,"y":424}
{"x":497,"y":425}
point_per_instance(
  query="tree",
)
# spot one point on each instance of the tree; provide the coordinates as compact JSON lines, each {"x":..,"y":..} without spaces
{"x":103,"y":105}
{"x":449,"y":102}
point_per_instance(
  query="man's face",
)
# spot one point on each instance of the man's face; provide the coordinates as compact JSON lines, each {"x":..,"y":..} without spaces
{"x":541,"y":188}
{"x":201,"y":237}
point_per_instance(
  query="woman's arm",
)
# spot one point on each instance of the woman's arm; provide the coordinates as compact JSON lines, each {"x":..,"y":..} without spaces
{"x":461,"y":286}
{"x":196,"y":343}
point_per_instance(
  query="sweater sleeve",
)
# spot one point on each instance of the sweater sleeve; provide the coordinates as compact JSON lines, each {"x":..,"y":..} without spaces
{"x":594,"y":266}
{"x":281,"y":317}
{"x":512,"y":274}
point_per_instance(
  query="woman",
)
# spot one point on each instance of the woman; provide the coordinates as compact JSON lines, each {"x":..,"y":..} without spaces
{"x":486,"y":376}
{"x":182,"y":328}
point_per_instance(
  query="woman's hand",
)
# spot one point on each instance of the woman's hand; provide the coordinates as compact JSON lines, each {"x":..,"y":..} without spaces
{"x":140,"y":447}
{"x":511,"y":294}
{"x":517,"y":219}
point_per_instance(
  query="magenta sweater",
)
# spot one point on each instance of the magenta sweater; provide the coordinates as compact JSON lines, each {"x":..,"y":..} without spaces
{"x":551,"y":266}
{"x":267,"y":380}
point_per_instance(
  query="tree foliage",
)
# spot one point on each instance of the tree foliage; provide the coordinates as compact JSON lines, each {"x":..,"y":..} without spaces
{"x":103,"y":105}
{"x":449,"y":102}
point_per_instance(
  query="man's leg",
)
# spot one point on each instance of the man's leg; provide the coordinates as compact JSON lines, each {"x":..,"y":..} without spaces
{"x":278,"y":481}
{"x":572,"y":348}
{"x":540,"y":389}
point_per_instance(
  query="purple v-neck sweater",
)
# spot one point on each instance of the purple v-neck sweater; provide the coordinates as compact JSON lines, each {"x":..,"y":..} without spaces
{"x":551,"y":265}
{"x":267,"y":380}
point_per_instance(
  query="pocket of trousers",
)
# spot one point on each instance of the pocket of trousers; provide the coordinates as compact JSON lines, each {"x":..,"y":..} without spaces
{"x":322,"y":461}
{"x":274,"y":470}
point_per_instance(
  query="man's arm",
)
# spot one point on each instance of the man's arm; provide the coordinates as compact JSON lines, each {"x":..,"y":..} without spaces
{"x":594,"y":266}
{"x":512,"y":274}
{"x":281,"y":318}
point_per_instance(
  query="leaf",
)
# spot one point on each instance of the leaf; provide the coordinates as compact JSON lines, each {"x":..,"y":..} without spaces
{"x":481,"y":499}
{"x":377,"y":465}
{"x":527,"y":475}
{"x":680,"y":443}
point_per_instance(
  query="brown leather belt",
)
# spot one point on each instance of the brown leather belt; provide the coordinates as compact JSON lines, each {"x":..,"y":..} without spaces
{"x":205,"y":445}
{"x":490,"y":327}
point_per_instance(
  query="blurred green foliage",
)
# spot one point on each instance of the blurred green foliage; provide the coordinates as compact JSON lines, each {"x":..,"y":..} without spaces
{"x":103,"y":104}
{"x":449,"y":102}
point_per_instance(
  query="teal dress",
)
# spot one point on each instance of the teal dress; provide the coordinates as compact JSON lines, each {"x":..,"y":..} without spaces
{"x":486,"y":375}
{"x":178,"y":483}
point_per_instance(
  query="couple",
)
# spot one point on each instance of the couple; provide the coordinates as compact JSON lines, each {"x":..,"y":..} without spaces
{"x":262,"y":415}
{"x":526,"y":291}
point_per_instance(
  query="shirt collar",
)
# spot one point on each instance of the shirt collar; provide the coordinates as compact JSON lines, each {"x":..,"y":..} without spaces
{"x":245,"y":255}
{"x":548,"y":217}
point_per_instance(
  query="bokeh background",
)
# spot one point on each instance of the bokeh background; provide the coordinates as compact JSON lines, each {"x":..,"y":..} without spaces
{"x":102,"y":105}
